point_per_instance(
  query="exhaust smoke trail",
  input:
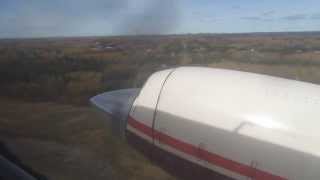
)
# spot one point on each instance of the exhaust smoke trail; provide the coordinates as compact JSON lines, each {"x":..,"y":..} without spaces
{"x":157,"y":17}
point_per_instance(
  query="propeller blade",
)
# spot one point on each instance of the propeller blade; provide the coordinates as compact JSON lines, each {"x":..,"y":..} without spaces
{"x":117,"y":104}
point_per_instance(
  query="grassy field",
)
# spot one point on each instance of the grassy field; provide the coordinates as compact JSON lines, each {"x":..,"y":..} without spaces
{"x":45,"y":85}
{"x":70,"y":70}
{"x":65,"y":142}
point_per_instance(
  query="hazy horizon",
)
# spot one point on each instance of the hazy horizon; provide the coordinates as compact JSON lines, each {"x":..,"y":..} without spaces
{"x":78,"y":18}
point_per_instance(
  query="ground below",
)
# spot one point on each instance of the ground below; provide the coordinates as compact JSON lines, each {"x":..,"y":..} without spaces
{"x":64,"y":142}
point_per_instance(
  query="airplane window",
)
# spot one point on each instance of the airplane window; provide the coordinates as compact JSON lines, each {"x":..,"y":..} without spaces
{"x":159,"y":89}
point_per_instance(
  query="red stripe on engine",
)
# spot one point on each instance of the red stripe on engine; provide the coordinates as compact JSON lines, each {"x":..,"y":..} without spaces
{"x":210,"y":157}
{"x":140,"y":126}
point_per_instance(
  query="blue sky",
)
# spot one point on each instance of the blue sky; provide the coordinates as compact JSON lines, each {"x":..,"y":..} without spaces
{"x":42,"y":18}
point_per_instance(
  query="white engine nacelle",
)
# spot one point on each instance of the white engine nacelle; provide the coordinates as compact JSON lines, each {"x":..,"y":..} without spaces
{"x":239,"y":124}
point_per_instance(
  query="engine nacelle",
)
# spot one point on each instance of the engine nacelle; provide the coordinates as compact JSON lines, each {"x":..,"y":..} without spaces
{"x":241,"y":125}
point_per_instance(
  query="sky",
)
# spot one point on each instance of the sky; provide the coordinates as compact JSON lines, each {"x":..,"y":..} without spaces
{"x":51,"y":18}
